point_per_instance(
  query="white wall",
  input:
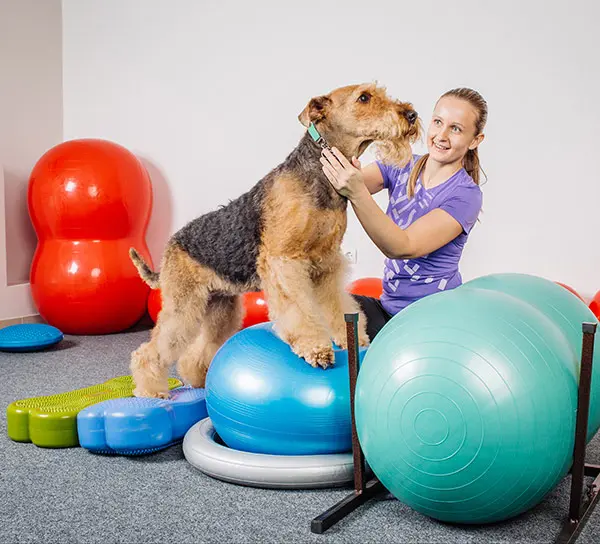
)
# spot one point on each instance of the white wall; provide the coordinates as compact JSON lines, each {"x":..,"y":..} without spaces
{"x":209,"y":92}
{"x":30,"y":122}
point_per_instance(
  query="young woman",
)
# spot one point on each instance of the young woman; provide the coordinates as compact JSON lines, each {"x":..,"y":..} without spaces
{"x":434,"y":202}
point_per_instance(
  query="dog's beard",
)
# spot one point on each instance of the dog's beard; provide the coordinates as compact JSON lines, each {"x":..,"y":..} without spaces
{"x":396,"y":151}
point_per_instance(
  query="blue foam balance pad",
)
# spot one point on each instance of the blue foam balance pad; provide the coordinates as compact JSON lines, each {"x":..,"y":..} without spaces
{"x":29,"y":337}
{"x":139,"y":426}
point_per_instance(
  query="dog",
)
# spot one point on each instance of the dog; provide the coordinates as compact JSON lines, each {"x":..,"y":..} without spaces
{"x":283,"y":236}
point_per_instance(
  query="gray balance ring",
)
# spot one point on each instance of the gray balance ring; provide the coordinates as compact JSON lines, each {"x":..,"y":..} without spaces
{"x":262,"y":470}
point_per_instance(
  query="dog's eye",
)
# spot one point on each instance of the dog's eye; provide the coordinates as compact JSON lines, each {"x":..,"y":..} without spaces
{"x":364,"y":98}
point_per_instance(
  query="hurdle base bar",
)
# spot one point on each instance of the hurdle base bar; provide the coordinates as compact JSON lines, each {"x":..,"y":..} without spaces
{"x":580,"y":508}
{"x":572,"y":527}
{"x":346,"y":506}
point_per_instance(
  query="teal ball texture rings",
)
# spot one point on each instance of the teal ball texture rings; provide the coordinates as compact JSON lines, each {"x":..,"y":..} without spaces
{"x":567,"y":312}
{"x":466,"y":400}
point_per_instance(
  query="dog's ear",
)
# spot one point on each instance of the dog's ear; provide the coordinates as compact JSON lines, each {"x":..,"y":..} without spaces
{"x":316,"y":110}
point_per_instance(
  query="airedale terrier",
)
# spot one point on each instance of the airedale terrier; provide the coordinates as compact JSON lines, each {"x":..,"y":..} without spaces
{"x":283,"y":236}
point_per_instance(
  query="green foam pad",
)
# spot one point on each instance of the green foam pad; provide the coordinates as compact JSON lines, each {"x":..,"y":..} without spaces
{"x":51,"y":421}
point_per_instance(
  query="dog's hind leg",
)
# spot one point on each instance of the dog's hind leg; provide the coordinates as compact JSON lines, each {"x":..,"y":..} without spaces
{"x":294,"y":309}
{"x":222,"y":318}
{"x":184,"y":288}
{"x":175,"y":329}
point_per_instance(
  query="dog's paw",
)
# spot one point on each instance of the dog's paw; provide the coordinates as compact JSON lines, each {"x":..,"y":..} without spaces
{"x":194,"y":376}
{"x":143,"y":393}
{"x":340,"y":340}
{"x":321,"y":357}
{"x":363,"y":340}
{"x":317,"y":356}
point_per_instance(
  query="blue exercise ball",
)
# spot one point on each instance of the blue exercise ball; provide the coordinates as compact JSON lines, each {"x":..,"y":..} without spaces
{"x":466,"y":404}
{"x":263,"y":398}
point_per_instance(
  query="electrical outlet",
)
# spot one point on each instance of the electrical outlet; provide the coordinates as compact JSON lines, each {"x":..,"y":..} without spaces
{"x":351,"y":255}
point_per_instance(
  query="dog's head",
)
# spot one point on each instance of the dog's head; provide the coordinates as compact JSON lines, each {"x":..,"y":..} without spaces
{"x":365,"y":114}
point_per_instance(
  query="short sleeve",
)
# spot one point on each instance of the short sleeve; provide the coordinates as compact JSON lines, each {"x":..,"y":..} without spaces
{"x":385,"y":173}
{"x":393,"y":174}
{"x":464,"y":204}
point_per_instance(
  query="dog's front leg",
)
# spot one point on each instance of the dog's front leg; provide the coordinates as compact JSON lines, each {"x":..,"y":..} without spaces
{"x":294,"y":309}
{"x":335,"y":301}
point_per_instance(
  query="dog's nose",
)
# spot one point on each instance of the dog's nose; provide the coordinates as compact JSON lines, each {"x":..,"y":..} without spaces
{"x":411,"y":116}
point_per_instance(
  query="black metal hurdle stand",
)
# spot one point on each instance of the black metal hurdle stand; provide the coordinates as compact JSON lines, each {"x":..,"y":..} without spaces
{"x":579,"y":510}
{"x":363,"y":490}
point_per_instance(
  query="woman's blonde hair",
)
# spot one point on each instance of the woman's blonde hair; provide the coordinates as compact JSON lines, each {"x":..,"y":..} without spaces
{"x":471,"y":158}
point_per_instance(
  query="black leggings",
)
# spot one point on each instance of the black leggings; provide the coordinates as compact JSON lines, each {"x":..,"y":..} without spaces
{"x":376,"y":315}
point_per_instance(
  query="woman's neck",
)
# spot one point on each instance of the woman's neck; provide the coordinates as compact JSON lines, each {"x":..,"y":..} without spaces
{"x":436,"y":173}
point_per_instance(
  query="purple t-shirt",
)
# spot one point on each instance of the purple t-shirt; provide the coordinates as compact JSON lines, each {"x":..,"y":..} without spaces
{"x":407,"y":280}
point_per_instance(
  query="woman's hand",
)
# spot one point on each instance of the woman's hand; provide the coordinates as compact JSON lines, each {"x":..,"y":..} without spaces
{"x":346,"y":178}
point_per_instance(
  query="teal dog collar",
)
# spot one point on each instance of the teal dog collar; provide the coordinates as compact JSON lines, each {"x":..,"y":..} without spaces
{"x":314,"y":134}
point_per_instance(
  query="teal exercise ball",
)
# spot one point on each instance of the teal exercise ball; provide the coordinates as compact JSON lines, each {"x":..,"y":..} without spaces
{"x":568,"y":313}
{"x":465,"y":406}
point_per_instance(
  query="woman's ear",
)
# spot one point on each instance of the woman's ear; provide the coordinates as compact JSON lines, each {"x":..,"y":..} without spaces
{"x":477,"y":140}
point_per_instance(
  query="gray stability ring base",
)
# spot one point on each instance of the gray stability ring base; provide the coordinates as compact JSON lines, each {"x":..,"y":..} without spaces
{"x":262,"y":470}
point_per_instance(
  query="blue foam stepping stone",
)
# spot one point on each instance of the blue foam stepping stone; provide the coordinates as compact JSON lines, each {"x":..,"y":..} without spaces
{"x":138,"y":426}
{"x":29,"y":337}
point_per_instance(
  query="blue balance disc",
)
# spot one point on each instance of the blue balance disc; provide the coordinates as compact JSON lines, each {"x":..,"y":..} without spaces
{"x":29,"y":337}
{"x":138,"y":426}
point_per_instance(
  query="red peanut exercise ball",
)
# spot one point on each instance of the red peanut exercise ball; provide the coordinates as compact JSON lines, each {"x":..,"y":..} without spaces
{"x":89,"y":201}
{"x":256,"y":309}
{"x":154,"y":304}
{"x":595,"y":305}
{"x":255,"y":305}
{"x":370,"y":287}
{"x":569,"y":288}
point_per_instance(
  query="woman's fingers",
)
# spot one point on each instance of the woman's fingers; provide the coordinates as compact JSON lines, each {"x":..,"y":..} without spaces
{"x":340,"y":157}
{"x":330,"y":173}
{"x":335,"y":163}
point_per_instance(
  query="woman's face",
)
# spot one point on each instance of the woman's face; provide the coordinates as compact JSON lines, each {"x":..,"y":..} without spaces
{"x":452,"y":130}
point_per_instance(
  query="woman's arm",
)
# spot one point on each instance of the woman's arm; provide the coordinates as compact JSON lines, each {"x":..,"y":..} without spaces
{"x":428,"y":233}
{"x":372,"y":178}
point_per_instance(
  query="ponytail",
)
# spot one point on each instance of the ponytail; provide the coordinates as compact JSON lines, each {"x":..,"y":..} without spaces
{"x":414,"y":175}
{"x":471,"y":164}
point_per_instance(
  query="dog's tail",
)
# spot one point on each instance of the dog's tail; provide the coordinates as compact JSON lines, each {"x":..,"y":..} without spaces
{"x":146,"y":273}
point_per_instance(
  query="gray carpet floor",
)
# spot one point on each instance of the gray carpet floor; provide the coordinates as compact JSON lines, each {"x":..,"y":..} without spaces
{"x":70,"y":495}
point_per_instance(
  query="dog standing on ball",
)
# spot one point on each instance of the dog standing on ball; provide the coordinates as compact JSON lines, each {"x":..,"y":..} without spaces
{"x":283,"y":236}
